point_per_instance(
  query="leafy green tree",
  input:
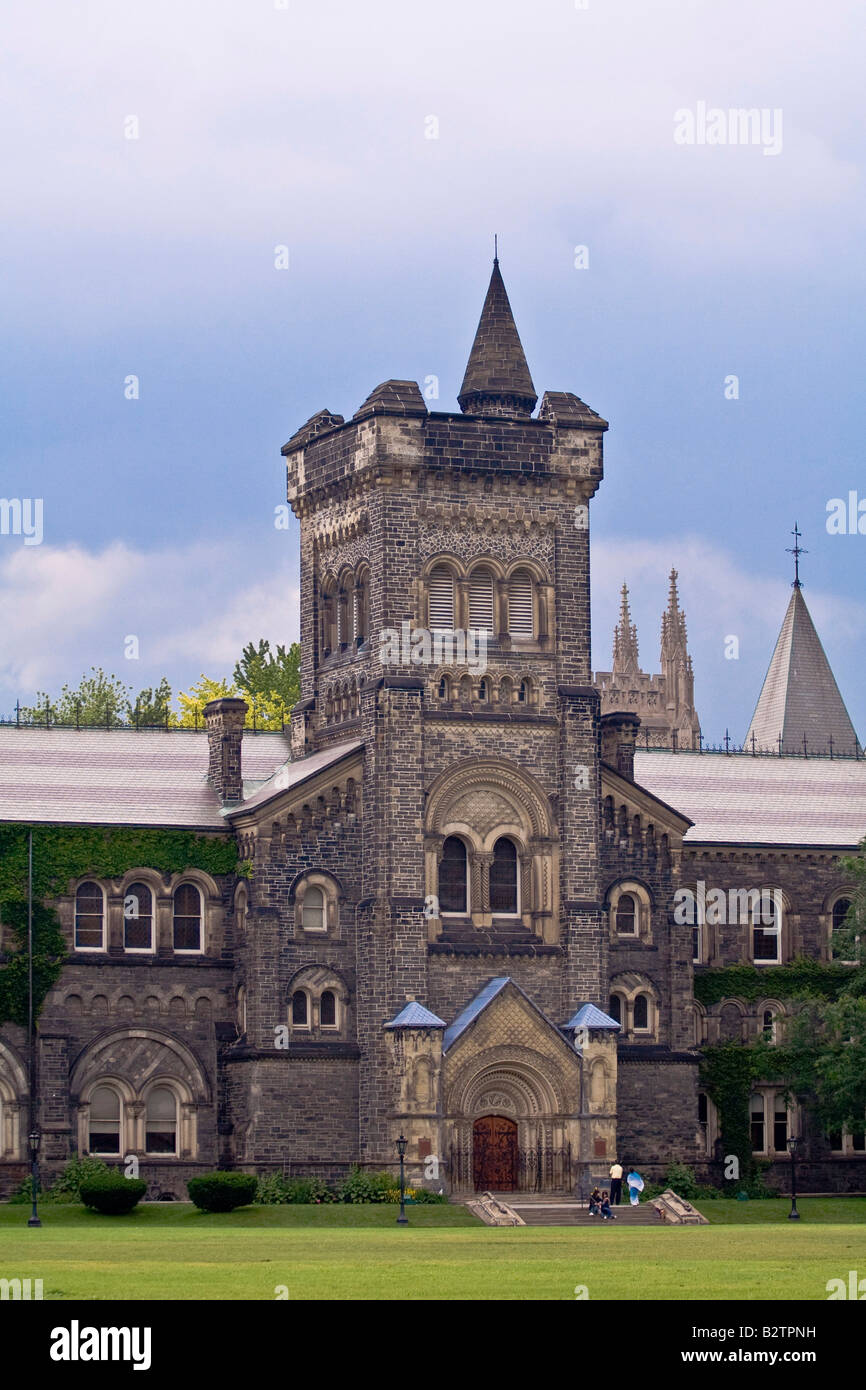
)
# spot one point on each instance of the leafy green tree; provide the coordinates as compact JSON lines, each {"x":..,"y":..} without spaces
{"x":849,"y":940}
{"x":193,"y":701}
{"x":826,"y":1060}
{"x":151,"y":706}
{"x":97,"y":699}
{"x":261,"y":673}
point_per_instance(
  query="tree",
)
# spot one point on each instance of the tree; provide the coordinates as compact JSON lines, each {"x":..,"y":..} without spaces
{"x":151,"y":706}
{"x":826,"y":1047}
{"x":260,"y":673}
{"x":98,"y":699}
{"x":193,"y":701}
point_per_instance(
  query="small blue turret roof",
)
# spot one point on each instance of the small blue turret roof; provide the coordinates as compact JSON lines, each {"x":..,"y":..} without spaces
{"x":588,"y":1016}
{"x":414,"y":1015}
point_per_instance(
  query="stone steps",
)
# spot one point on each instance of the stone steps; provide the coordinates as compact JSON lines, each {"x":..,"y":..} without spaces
{"x":571,"y":1213}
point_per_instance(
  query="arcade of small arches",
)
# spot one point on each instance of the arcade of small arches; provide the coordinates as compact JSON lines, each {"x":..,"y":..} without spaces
{"x":512,"y":603}
{"x":494,"y":690}
{"x":344,"y":613}
{"x":139,"y":914}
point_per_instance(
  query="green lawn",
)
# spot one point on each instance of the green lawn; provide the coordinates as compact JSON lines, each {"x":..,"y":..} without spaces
{"x":347,"y":1252}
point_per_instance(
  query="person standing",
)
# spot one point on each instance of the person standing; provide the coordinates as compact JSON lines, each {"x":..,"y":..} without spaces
{"x":635,"y":1186}
{"x":615,"y":1182}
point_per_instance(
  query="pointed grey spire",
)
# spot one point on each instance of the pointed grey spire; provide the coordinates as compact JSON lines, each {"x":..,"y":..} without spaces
{"x":800,"y":697}
{"x":497,"y":380}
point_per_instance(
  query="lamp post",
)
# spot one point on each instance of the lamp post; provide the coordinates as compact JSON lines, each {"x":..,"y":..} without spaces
{"x":793,"y":1214}
{"x":402,"y":1145}
{"x":33,"y":1141}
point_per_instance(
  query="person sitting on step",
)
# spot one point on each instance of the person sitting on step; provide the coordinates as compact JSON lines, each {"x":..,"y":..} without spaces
{"x":595,"y":1202}
{"x":606,"y":1213}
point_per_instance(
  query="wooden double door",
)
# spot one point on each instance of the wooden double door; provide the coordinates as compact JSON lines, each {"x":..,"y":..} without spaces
{"x":494,"y":1154}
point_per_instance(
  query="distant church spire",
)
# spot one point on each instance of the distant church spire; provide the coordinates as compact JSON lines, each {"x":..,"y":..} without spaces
{"x":497,"y":379}
{"x":625,"y":653}
{"x":800,"y":699}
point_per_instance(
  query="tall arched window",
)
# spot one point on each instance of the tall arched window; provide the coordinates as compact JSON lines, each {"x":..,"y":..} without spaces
{"x":328,"y":1009}
{"x":313,"y":910}
{"x":187,"y":918}
{"x":767,"y":929}
{"x":626,"y":916}
{"x":138,"y":918}
{"x":105,"y":1120}
{"x":520,"y":618}
{"x":503,"y":878}
{"x":300,"y":1009}
{"x":641,"y":1013}
{"x":441,"y":599}
{"x":89,"y":918}
{"x":242,"y":1010}
{"x":481,"y":600}
{"x":160,"y":1129}
{"x":453,"y":877}
{"x":840,"y":949}
{"x":361,"y":605}
{"x":614,"y":1008}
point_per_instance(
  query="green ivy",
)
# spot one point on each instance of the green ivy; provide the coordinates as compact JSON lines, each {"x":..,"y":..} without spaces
{"x":801,"y":977}
{"x":729,"y":1072}
{"x":63,"y":853}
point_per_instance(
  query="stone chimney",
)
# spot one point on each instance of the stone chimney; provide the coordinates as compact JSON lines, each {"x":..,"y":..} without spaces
{"x":225,"y":730}
{"x":618,"y":735}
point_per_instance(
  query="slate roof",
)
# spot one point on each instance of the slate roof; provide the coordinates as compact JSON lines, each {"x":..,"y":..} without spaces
{"x":497,"y":364}
{"x":147,"y":777}
{"x":740,"y":799}
{"x":416,"y":1016}
{"x":588,"y":1016}
{"x":800,"y":695}
{"x":564,"y":408}
{"x":289,"y":775}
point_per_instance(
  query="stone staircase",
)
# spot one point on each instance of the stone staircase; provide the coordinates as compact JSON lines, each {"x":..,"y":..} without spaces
{"x":553,"y":1209}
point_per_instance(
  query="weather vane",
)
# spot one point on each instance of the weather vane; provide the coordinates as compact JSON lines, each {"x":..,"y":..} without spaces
{"x":796,"y":550}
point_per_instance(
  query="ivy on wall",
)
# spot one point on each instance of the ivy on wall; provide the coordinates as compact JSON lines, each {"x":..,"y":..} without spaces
{"x":802,"y":977}
{"x":62,"y":853}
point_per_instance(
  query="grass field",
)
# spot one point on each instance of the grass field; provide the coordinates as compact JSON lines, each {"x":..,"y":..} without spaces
{"x":343,"y":1252}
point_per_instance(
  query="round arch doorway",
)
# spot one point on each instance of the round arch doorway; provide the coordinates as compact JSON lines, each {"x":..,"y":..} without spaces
{"x":494,"y":1154}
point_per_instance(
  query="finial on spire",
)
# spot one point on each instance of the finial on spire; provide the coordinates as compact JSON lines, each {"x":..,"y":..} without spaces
{"x":796,"y":550}
{"x":495,"y":249}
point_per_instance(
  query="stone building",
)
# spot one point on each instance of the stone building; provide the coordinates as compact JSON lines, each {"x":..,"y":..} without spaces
{"x":665,"y":702}
{"x":453,"y":915}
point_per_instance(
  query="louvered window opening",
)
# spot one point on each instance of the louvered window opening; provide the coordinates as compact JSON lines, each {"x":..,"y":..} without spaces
{"x":520,"y":623}
{"x":442,"y":600}
{"x":481,"y":602}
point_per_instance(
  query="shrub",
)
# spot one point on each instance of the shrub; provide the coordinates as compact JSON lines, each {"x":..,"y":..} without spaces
{"x":112,"y":1194}
{"x":222,"y":1191}
{"x":366,"y":1187}
{"x":424,"y":1197}
{"x":66,"y":1186}
{"x":277,"y":1189}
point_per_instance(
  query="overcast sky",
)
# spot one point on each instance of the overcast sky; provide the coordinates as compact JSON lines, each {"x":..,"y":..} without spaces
{"x":261,"y":125}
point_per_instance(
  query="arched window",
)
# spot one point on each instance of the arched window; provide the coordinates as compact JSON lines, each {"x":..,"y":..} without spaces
{"x":345,"y":610}
{"x":767,"y":929}
{"x":614,"y":1008}
{"x":300,"y":1009}
{"x":520,"y":619}
{"x":481,"y":601}
{"x":328,"y":1009}
{"x":453,"y":877}
{"x":160,"y":1129}
{"x":641,"y":1014}
{"x":313,"y":910}
{"x":769,"y":1025}
{"x":138,"y":918}
{"x":89,"y":918}
{"x":441,"y":599}
{"x":187,"y":917}
{"x":503,"y":878}
{"x":523,"y":693}
{"x":104,"y":1136}
{"x":484,"y":690}
{"x":242,"y":1011}
{"x":329,"y":615}
{"x":840,"y":941}
{"x":361,"y":603}
{"x":445,"y":688}
{"x":626,"y":916}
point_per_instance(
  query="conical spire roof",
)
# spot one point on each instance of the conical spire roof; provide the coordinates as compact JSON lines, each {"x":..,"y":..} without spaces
{"x":800,"y":696}
{"x":497,"y":380}
{"x":625,"y":650}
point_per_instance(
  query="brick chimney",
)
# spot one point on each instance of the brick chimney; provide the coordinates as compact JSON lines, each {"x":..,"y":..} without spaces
{"x":225,"y":730}
{"x":618,"y":735}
